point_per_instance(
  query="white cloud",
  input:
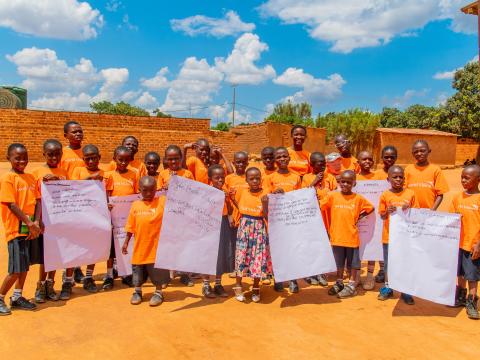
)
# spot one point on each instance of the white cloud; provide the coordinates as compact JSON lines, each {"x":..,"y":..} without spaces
{"x":130,"y":95}
{"x":230,"y":24}
{"x":239,"y":67}
{"x":59,"y":19}
{"x":441,"y":99}
{"x":353,"y":24}
{"x":64,"y":101}
{"x":113,"y":81}
{"x":113,"y":5}
{"x":127,"y":24}
{"x":406,"y":99}
{"x":448,"y":75}
{"x":146,"y":100}
{"x":316,"y":91}
{"x":159,"y":81}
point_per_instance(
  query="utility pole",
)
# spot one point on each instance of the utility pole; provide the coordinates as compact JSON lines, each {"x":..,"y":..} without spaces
{"x":233,"y":104}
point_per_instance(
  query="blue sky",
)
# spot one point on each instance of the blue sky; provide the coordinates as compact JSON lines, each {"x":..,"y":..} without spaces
{"x":184,"y":56}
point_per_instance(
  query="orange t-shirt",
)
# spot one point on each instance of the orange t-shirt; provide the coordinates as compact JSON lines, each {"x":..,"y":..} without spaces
{"x":381,"y":174}
{"x":468,"y":205}
{"x":343,"y":212}
{"x":329,"y":183}
{"x":144,"y":222}
{"x":237,"y":182}
{"x":299,"y":161}
{"x":371,"y":176}
{"x":20,"y":189}
{"x":427,"y":182}
{"x":121,"y":184}
{"x":165,"y":176}
{"x":350,"y":163}
{"x":71,"y":159}
{"x":250,"y":203}
{"x":198,"y":169}
{"x":40,"y":172}
{"x":287,"y":182}
{"x":135,"y":165}
{"x":389,"y":198}
{"x":83,"y":173}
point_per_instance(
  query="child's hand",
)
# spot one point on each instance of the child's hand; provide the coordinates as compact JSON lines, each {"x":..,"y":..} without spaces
{"x":230,"y":221}
{"x":125,"y":248}
{"x":190,"y":146}
{"x":50,"y":177}
{"x":216,"y":149}
{"x":391,"y":209}
{"x":319,"y":177}
{"x":33,"y":230}
{"x":405,"y":207}
{"x":278,"y":191}
{"x":476,"y":251}
{"x":231,"y":193}
{"x":96,"y":176}
{"x":110,"y":206}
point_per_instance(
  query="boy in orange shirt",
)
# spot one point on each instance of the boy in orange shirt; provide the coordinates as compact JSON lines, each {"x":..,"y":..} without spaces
{"x":425,"y":179}
{"x":467,"y":203}
{"x":345,"y":209}
{"x":52,"y":151}
{"x":144,"y":223}
{"x":343,"y":146}
{"x":20,"y":213}
{"x":396,"y":197}
{"x":131,"y":143}
{"x":152,"y":163}
{"x":197,"y":164}
{"x":365,"y":163}
{"x":237,"y":182}
{"x":268,"y":160}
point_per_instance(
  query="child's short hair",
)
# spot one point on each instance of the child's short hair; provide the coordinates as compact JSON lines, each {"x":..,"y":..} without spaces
{"x":213,"y":168}
{"x":90,"y":148}
{"x":173,"y":148}
{"x":53,"y":142}
{"x":298,"y":126}
{"x":68,"y":124}
{"x":253,"y":168}
{"x":389,"y":148}
{"x":394,"y":168}
{"x":147,"y":180}
{"x":281,"y":148}
{"x":14,"y":146}
{"x":244,"y":153}
{"x":349,"y":173}
{"x":317,"y":154}
{"x":129,"y":137}
{"x":152,"y":154}
{"x":204,"y":141}
{"x":421,"y":141}
{"x":268,"y":149}
{"x":121,"y":148}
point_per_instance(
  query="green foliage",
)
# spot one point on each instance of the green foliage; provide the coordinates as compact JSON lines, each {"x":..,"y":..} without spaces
{"x":222,"y":126}
{"x":161,"y":114}
{"x":357,"y":125}
{"x":414,"y":117}
{"x":120,"y":108}
{"x":290,"y":113}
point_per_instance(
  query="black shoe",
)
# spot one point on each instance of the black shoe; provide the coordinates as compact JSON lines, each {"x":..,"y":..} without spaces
{"x":89,"y":285}
{"x":312,"y":280}
{"x":322,"y":280}
{"x":66,"y":291}
{"x":278,"y":286}
{"x":185,"y":280}
{"x":407,"y":299}
{"x":4,"y":310}
{"x":336,"y":288}
{"x":22,"y":304}
{"x":471,"y":306}
{"x":293,"y":286}
{"x":380,"y":277}
{"x":128,"y":280}
{"x":78,"y":275}
{"x":107,"y":284}
{"x":207,"y":292}
{"x":40,"y":293}
{"x":220,"y":291}
{"x":460,"y":297}
{"x":50,"y":291}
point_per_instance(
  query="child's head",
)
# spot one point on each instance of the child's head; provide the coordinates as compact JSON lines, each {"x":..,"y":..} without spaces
{"x":343,"y":145}
{"x":282,"y":158}
{"x":131,"y":143}
{"x":365,"y":161}
{"x":253,"y":176}
{"x":152,"y":162}
{"x":318,"y":162}
{"x":334,"y":163}
{"x":216,"y":175}
{"x":214,"y":158}
{"x":173,"y":157}
{"x":347,"y":181}
{"x":299,"y":134}
{"x":148,"y":187}
{"x":240,"y":161}
{"x":268,"y":157}
{"x":122,"y":157}
{"x":396,"y":177}
{"x":52,"y":152}
{"x":73,"y":132}
{"x":18,"y":156}
{"x":420,"y":151}
{"x":202,"y":149}
{"x":470,"y":177}
{"x":389,"y":156}
{"x":91,"y":157}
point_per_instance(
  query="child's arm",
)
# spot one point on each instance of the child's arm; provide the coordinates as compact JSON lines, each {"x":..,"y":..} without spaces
{"x":227,"y":163}
{"x":265,"y":206}
{"x":125,"y":243}
{"x":318,"y":179}
{"x":50,"y":177}
{"x":438,"y":201}
{"x":33,"y":226}
{"x":185,"y":149}
{"x":365,"y":213}
{"x":231,"y":195}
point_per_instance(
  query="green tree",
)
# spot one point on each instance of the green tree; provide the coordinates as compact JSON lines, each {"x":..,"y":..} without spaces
{"x":161,"y":114}
{"x":222,"y":126}
{"x":120,"y":108}
{"x":290,"y":113}
{"x":414,"y":117}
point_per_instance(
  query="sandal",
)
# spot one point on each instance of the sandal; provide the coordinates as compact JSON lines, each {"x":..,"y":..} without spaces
{"x":348,"y":291}
{"x":256,"y":297}
{"x":369,"y":283}
{"x":239,"y":293}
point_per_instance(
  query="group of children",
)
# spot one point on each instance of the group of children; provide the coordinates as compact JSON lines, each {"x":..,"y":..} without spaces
{"x":244,"y":246}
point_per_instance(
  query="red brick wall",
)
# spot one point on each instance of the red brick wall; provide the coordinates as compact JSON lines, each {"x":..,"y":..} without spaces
{"x":466,"y":149}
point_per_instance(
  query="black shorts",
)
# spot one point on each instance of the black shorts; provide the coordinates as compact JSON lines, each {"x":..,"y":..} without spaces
{"x":385,"y":257}
{"x":348,"y":254}
{"x":35,"y":247}
{"x":141,"y":273}
{"x":468,"y":268}
{"x":18,"y":255}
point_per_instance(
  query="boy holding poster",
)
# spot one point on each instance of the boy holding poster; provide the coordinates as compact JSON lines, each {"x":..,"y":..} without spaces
{"x":345,"y":209}
{"x":390,"y":200}
{"x":20,"y":212}
{"x":144,"y":223}
{"x":467,"y":203}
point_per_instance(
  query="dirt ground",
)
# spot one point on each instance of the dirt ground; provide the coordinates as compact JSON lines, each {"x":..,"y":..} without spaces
{"x":306,"y":325}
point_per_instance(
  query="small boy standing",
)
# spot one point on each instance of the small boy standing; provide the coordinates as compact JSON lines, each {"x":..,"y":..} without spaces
{"x":197,"y":164}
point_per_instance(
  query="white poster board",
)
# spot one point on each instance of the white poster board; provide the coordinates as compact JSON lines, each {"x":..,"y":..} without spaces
{"x":77,"y":222}
{"x":190,"y":232}
{"x":370,"y":227}
{"x":423,"y":254}
{"x":299,"y":243}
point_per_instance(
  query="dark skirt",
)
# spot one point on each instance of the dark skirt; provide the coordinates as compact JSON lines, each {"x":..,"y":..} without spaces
{"x":18,"y":255}
{"x":36,"y":250}
{"x":226,"y":248}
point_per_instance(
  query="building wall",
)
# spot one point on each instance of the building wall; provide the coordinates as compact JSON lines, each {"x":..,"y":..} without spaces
{"x":466,"y":149}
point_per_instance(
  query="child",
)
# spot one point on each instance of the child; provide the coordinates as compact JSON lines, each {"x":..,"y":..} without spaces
{"x":237,"y":182}
{"x":323,"y":182}
{"x":396,"y":197}
{"x":343,"y":145}
{"x":389,"y":158}
{"x":425,"y":179}
{"x":334,"y":164}
{"x":226,"y":249}
{"x":20,"y":213}
{"x":91,"y":171}
{"x":252,"y":255}
{"x":197,"y":164}
{"x":120,"y":182}
{"x":299,"y":158}
{"x":152,"y":163}
{"x":467,"y":203}
{"x":52,"y":151}
{"x":268,"y":160}
{"x":144,"y":223}
{"x":284,"y":180}
{"x":131,"y":143}
{"x":216,"y":155}
{"x":344,"y":209}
